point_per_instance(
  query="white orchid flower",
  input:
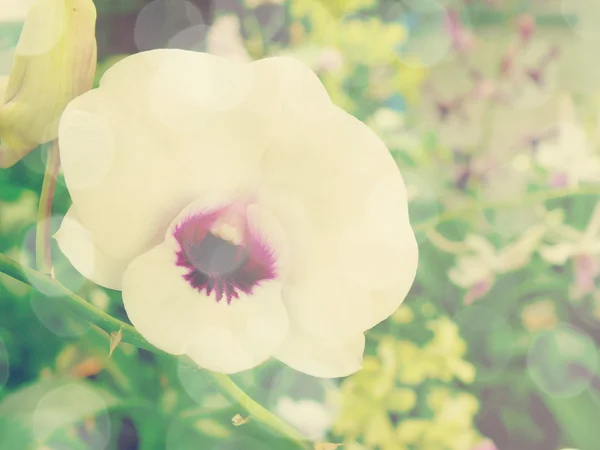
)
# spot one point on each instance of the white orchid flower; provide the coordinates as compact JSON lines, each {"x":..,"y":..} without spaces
{"x":478,"y":262}
{"x":570,"y":242}
{"x":571,"y":157}
{"x":242,"y":214}
{"x":580,"y":247}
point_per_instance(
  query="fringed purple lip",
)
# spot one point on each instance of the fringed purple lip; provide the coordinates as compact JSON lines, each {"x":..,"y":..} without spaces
{"x":216,"y":264}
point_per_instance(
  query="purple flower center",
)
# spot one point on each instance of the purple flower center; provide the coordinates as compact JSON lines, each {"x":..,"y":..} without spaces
{"x":216,"y":264}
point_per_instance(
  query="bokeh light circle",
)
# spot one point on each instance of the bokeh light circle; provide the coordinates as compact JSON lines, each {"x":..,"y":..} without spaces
{"x":428,"y":42}
{"x":161,"y":23}
{"x":56,"y":319}
{"x":42,"y":296}
{"x":583,"y":17}
{"x":578,"y":72}
{"x":272,"y":19}
{"x":196,"y":384}
{"x":42,"y":16}
{"x":213,"y":433}
{"x":562,"y":361}
{"x":36,"y":160}
{"x":192,"y":38}
{"x":281,"y":384}
{"x":84,"y":129}
{"x":72,"y":404}
{"x":223,"y":86}
{"x":27,"y":256}
{"x":506,"y":183}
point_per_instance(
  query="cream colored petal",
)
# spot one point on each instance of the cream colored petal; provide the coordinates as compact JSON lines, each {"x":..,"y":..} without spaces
{"x":558,"y":253}
{"x":342,"y":202}
{"x":77,"y":245}
{"x":165,"y":127}
{"x":176,"y":318}
{"x":237,"y":337}
{"x":292,"y":90}
{"x":159,"y":302}
{"x":220,"y":335}
{"x":320,"y":357}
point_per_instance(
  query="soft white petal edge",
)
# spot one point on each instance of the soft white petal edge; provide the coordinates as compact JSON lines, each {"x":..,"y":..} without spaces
{"x":178,"y":319}
{"x":76,"y":243}
{"x":322,"y":357}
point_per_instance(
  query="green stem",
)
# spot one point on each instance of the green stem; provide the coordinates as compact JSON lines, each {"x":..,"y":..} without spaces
{"x":256,"y":410}
{"x":110,"y":324}
{"x":42,"y":236}
{"x":73,"y":302}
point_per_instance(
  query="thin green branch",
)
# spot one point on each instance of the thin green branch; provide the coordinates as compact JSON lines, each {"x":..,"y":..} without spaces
{"x":130,"y":335}
{"x":257,"y":411}
{"x":73,"y":302}
{"x":42,"y":235}
{"x":467,"y":211}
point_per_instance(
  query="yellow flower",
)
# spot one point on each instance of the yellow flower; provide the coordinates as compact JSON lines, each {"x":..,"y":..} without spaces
{"x":451,"y":427}
{"x":367,"y":41}
{"x":410,"y":431}
{"x":55,"y":62}
{"x":412,"y":369}
{"x":409,"y":75}
{"x":403,"y":315}
{"x":370,"y":396}
{"x":371,"y":41}
{"x":449,"y":406}
{"x":375,"y":406}
{"x":441,"y":358}
{"x":449,"y":349}
{"x":335,"y":8}
{"x":540,"y":315}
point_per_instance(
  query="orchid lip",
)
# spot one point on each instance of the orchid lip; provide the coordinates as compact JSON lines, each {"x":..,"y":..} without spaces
{"x":218,"y":262}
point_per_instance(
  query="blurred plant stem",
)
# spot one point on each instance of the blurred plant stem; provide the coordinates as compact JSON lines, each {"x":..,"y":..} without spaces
{"x":256,"y":411}
{"x":109,"y":324}
{"x":42,"y":235}
{"x":467,"y":211}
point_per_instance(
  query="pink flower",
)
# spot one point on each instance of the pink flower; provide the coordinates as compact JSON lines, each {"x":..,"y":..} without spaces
{"x":526,"y":26}
{"x":586,"y":271}
{"x":462,"y":38}
{"x":485,"y":445}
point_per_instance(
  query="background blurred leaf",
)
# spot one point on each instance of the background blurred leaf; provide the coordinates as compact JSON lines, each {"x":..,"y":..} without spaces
{"x":578,"y":418}
{"x":26,"y":422}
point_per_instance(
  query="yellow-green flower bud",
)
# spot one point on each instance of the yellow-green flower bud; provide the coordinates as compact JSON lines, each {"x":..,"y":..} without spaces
{"x":55,"y":61}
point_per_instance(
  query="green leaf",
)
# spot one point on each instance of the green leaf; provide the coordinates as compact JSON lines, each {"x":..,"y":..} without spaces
{"x":578,"y":419}
{"x":31,"y":416}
